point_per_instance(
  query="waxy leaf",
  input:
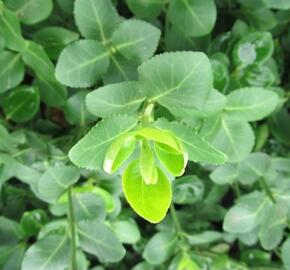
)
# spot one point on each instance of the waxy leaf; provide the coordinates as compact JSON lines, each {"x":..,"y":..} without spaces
{"x":285,"y":253}
{"x":30,"y":11}
{"x":179,"y":79}
{"x":136,"y":40}
{"x":127,"y":231}
{"x":96,"y":19}
{"x":118,"y":152}
{"x":12,"y":71}
{"x":118,"y":98}
{"x":90,"y":151}
{"x":251,"y":103}
{"x":49,"y":253}
{"x":197,"y":148}
{"x":149,"y":201}
{"x":21,"y":104}
{"x":146,"y":8}
{"x":148,"y":169}
{"x":99,"y":240}
{"x":82,"y":63}
{"x":193,"y":17}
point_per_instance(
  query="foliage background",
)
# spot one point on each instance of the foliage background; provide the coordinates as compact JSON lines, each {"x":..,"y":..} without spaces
{"x":232,"y":216}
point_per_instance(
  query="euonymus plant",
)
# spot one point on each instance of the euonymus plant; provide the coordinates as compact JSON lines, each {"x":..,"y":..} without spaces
{"x":144,"y":135}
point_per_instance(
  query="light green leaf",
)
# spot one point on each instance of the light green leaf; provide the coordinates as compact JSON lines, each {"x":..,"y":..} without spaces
{"x":54,"y":39}
{"x":149,"y":201}
{"x":127,"y":231}
{"x":118,"y":152}
{"x":251,"y":103}
{"x":75,"y":109}
{"x":160,"y":247}
{"x":256,"y":165}
{"x":194,"y":18}
{"x":233,"y":137}
{"x":12,"y":71}
{"x":30,"y":11}
{"x":173,"y":161}
{"x":50,"y":253}
{"x":90,"y":151}
{"x":118,"y":98}
{"x":97,"y":239}
{"x":88,"y":206}
{"x":96,"y":19}
{"x":21,"y":104}
{"x":246,"y":215}
{"x":148,"y":169}
{"x":55,"y":180}
{"x":225,"y":174}
{"x":36,"y":58}
{"x":285,"y":253}
{"x":8,"y":255}
{"x":197,"y":148}
{"x":136,"y":40}
{"x":206,"y":237}
{"x":10,"y":29}
{"x":277,"y":4}
{"x":82,"y":63}
{"x":272,"y":228}
{"x":178,"y":79}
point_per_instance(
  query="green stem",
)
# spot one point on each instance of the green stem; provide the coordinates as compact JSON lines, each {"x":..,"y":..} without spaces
{"x":178,"y":227}
{"x":71,"y":220}
{"x":267,"y":189}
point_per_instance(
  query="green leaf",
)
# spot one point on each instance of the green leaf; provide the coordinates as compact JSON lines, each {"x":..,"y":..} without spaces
{"x":88,"y":206}
{"x":12,"y":72}
{"x":32,"y":221}
{"x":54,"y":39}
{"x":90,"y":151}
{"x":120,"y":69}
{"x":8,"y":255}
{"x":146,"y":9}
{"x":52,"y":92}
{"x":256,"y":47}
{"x":206,"y":237}
{"x":197,"y":148}
{"x":256,"y":165}
{"x":160,"y":247}
{"x":174,"y":162}
{"x":10,"y":231}
{"x":193,"y":17}
{"x":36,"y":58}
{"x":49,"y":253}
{"x":10,"y":29}
{"x":277,"y":4}
{"x":118,"y":98}
{"x":56,"y":180}
{"x":75,"y":110}
{"x":251,"y":103}
{"x":31,"y":11}
{"x":148,"y":169}
{"x":225,"y":174}
{"x":97,"y":239}
{"x":149,"y":201}
{"x":96,"y":19}
{"x":179,"y":79}
{"x":136,"y":40}
{"x":285,"y":253}
{"x":272,"y":228}
{"x":127,"y":231}
{"x":246,"y":215}
{"x":233,"y":137}
{"x":82,"y":63}
{"x":21,"y":104}
{"x":118,"y":152}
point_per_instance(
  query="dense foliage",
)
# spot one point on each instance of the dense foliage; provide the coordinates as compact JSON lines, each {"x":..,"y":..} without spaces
{"x":144,"y":134}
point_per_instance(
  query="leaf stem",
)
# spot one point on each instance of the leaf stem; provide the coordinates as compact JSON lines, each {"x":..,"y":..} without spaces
{"x":179,"y":229}
{"x":267,"y":189}
{"x":71,"y":220}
